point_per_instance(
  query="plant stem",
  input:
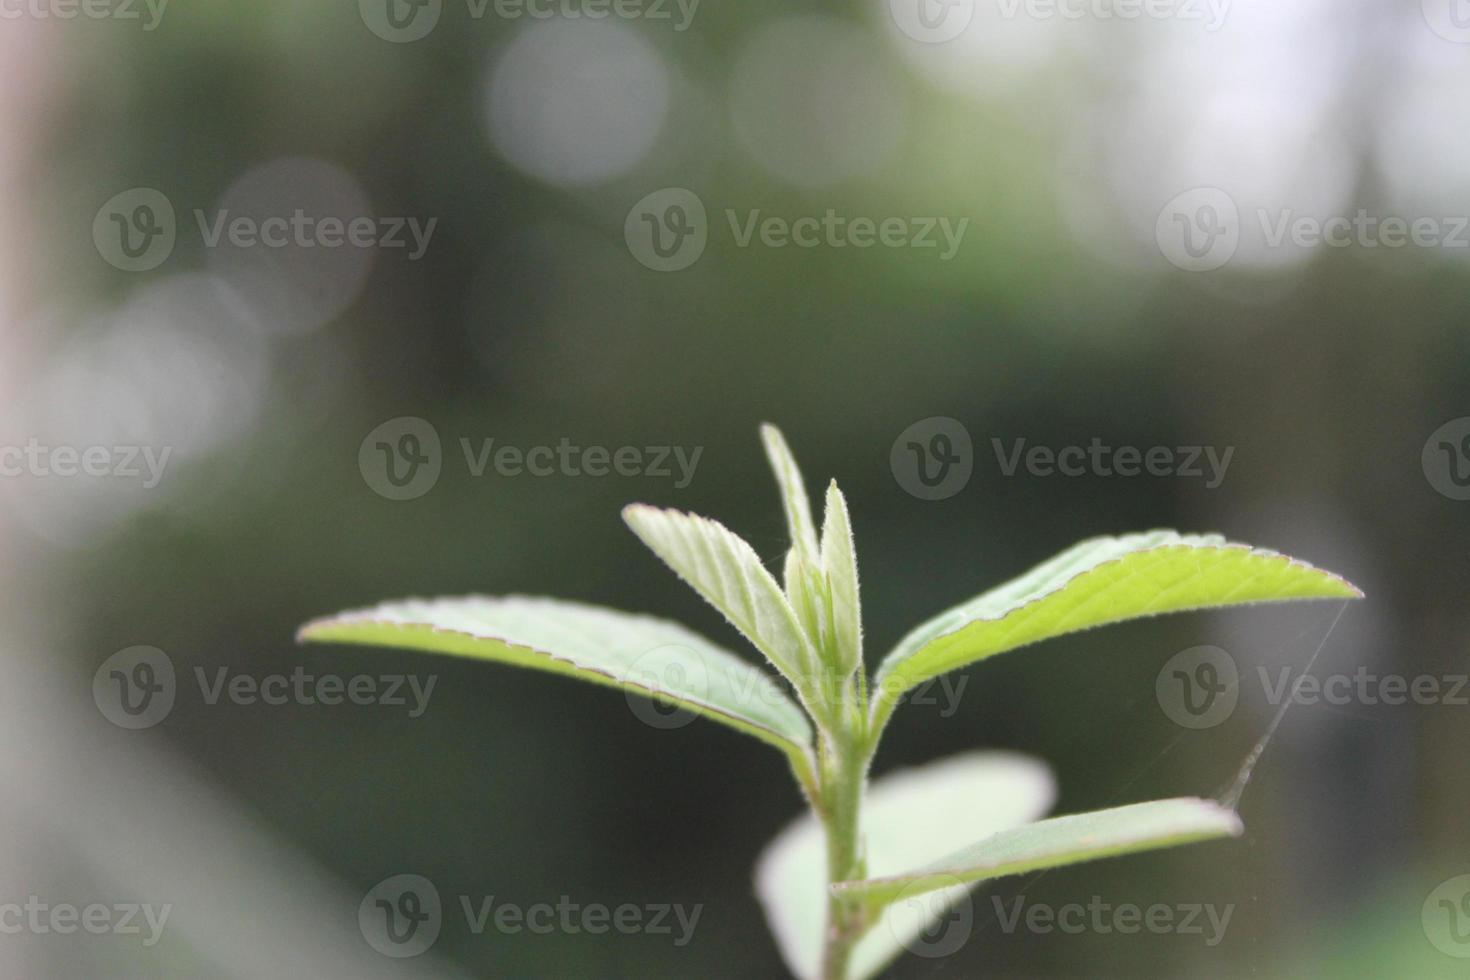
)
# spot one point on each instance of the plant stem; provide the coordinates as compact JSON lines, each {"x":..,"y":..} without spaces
{"x":844,"y":773}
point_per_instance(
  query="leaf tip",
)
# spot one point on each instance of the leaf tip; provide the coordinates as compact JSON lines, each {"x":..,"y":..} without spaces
{"x":1230,"y":824}
{"x":1336,"y":586}
{"x":309,"y":632}
{"x":633,"y":513}
{"x":774,"y":440}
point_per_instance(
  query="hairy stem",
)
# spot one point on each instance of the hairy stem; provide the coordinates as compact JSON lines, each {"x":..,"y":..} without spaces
{"x":844,"y":775}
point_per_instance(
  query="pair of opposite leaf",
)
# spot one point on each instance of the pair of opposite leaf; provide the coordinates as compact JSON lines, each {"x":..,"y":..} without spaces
{"x":929,"y":834}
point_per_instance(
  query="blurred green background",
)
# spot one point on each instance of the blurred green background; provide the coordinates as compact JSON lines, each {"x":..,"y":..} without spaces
{"x":1062,"y":317}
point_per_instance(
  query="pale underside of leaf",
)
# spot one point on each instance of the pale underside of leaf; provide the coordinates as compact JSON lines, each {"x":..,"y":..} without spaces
{"x":1059,"y":841}
{"x":1104,"y":580}
{"x":728,"y":574}
{"x":651,"y":657}
{"x":910,"y":818}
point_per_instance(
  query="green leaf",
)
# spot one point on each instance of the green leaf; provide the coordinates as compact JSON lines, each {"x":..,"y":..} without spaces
{"x":728,"y":573}
{"x":1057,"y":842}
{"x":1104,"y":580}
{"x":806,"y":591}
{"x":839,"y":563}
{"x":652,"y":657}
{"x":793,"y":491}
{"x":802,"y":574}
{"x":910,"y":817}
